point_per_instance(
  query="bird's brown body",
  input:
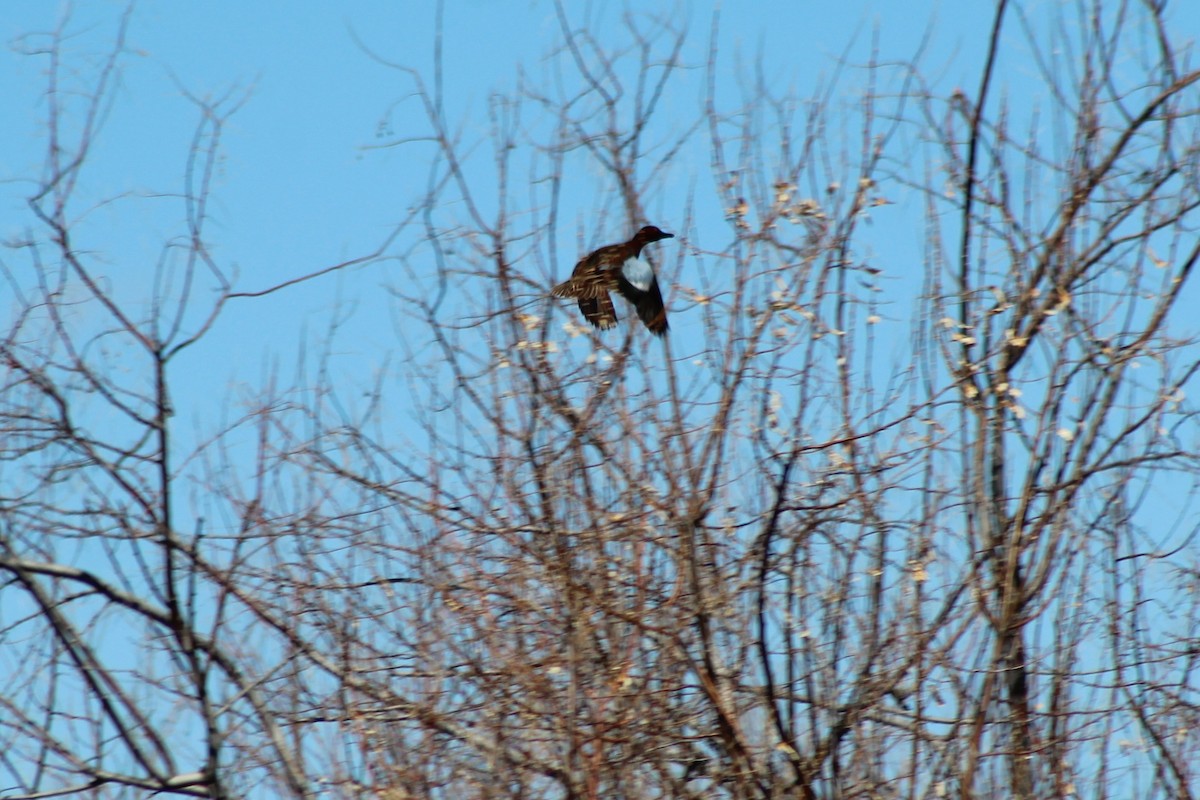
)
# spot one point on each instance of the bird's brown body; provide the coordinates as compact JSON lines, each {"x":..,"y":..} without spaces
{"x":619,"y":268}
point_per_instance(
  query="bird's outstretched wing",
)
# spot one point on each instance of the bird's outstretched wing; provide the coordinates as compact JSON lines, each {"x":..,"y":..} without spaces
{"x":590,"y":283}
{"x":647,"y":300}
{"x":599,"y":311}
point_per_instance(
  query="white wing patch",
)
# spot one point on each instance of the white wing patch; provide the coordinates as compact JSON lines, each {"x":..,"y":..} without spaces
{"x":639,"y":273}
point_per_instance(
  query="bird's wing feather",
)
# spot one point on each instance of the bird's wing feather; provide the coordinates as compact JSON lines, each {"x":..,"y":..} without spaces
{"x":599,"y":311}
{"x":648,"y":303}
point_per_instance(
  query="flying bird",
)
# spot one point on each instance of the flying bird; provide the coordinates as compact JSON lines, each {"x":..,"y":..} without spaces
{"x":621,"y":268}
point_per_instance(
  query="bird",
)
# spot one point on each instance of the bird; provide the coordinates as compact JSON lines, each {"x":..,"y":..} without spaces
{"x":620,"y":268}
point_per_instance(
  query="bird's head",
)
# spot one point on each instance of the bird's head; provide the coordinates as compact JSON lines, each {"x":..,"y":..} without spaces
{"x":652,"y":234}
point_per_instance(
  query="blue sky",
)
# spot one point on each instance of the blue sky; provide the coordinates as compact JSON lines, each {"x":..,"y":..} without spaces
{"x":302,"y":182}
{"x":298,"y":188}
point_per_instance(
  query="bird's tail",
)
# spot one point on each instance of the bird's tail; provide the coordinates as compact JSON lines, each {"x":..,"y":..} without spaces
{"x":567,"y":288}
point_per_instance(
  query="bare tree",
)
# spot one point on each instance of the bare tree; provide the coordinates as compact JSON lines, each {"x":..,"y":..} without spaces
{"x":779,"y":553}
{"x":1053,"y":308}
{"x":130,"y":662}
